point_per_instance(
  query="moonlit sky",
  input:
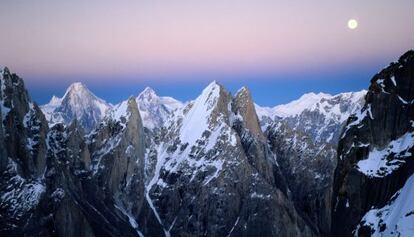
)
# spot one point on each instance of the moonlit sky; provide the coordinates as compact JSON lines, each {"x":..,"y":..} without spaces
{"x":279,"y":49}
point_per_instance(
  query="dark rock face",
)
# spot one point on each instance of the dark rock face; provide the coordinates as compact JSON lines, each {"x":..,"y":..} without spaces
{"x":308,"y":169}
{"x":24,"y":127}
{"x":371,"y":168}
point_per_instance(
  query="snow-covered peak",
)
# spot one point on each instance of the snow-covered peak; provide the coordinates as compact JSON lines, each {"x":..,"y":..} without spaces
{"x":321,"y":102}
{"x":212,"y":86}
{"x":77,"y":102}
{"x":77,"y":89}
{"x":80,"y":99}
{"x":51,"y":106}
{"x":121,"y":111}
{"x":55,"y":101}
{"x":320,"y":115}
{"x":155,"y":109}
{"x":243,"y":90}
{"x":296,"y":107}
{"x":196,"y":121}
{"x":147,"y":94}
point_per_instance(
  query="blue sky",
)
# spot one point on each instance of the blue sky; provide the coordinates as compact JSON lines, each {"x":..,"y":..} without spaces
{"x":266,"y":89}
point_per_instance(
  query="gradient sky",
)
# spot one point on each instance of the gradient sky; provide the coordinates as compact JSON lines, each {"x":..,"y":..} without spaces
{"x":279,"y":49}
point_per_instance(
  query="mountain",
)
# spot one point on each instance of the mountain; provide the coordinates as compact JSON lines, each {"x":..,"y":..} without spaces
{"x":155,"y":109}
{"x":215,"y":166}
{"x":54,"y":181}
{"x":212,"y":173}
{"x":373,"y":179}
{"x":319,"y":115}
{"x":303,"y":135}
{"x":77,"y":103}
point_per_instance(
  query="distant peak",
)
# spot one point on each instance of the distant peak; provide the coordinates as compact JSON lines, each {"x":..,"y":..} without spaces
{"x":148,"y":94}
{"x":77,"y":85}
{"x":55,"y":100}
{"x":313,"y":95}
{"x":243,"y":90}
{"x":212,"y":86}
{"x":148,"y":91}
{"x":77,"y":88}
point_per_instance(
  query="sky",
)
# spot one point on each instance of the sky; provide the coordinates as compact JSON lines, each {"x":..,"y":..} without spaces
{"x":278,"y":49}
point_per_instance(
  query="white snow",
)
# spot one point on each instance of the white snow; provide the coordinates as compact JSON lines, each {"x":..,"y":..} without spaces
{"x":235,"y":224}
{"x":154,"y":109}
{"x":360,"y":115}
{"x":296,"y":107}
{"x":161,"y":159}
{"x":120,"y":111}
{"x":393,"y":81}
{"x":325,"y":104}
{"x":260,"y":195}
{"x":196,"y":120}
{"x":377,"y":165}
{"x":79,"y":101}
{"x":397,"y":216}
{"x":20,"y":196}
{"x":131,"y":220}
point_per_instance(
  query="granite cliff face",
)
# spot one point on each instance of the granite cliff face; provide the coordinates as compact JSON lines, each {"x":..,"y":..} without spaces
{"x":375,"y":158}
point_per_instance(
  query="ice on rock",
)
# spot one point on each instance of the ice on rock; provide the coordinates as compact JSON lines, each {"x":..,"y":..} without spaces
{"x":377,"y":164}
{"x":396,"y":218}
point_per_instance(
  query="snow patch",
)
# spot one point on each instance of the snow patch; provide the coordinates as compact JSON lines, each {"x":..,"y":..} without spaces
{"x":377,"y":164}
{"x":394,"y":219}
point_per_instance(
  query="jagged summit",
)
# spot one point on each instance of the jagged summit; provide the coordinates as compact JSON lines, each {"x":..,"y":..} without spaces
{"x":199,"y":118}
{"x":148,"y":93}
{"x":155,"y":109}
{"x":55,"y":100}
{"x":244,"y":107}
{"x":77,"y":102}
{"x":319,"y":115}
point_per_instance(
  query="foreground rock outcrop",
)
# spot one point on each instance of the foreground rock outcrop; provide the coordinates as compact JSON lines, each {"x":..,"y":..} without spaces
{"x":375,"y":158}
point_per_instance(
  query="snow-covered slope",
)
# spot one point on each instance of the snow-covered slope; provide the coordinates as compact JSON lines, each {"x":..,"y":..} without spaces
{"x":155,"y":109}
{"x":78,"y":102}
{"x":319,"y":115}
{"x":394,"y":219}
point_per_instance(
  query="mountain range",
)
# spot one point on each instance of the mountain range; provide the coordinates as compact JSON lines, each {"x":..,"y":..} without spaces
{"x":219,"y":165}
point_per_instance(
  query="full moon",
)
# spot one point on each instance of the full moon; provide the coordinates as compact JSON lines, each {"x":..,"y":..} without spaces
{"x":352,"y":24}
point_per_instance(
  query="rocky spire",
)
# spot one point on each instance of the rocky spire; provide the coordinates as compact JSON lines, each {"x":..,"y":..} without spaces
{"x":243,"y":105}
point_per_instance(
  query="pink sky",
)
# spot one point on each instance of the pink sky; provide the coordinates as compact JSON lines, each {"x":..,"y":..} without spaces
{"x":169,"y":37}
